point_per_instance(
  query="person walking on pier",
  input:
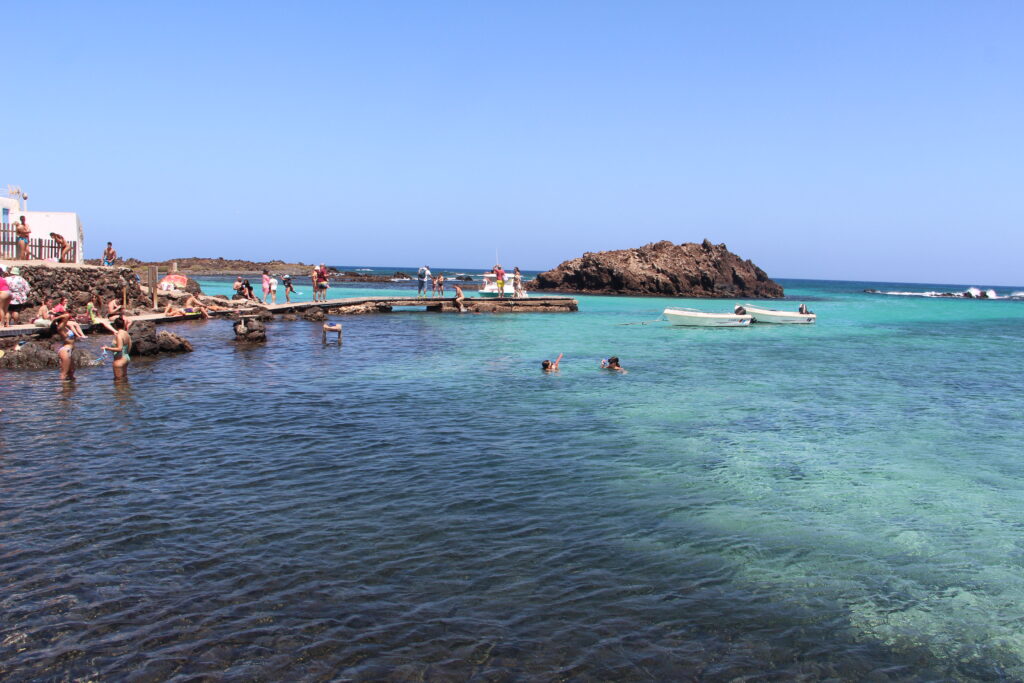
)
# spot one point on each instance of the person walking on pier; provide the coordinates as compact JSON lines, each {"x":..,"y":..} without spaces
{"x":286,"y":279}
{"x":23,"y":233}
{"x":273,"y":289}
{"x":517,"y":283}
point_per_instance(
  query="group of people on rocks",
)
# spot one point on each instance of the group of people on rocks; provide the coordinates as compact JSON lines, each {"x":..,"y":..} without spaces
{"x":56,"y":317}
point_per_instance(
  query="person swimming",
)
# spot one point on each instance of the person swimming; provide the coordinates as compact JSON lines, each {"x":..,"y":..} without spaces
{"x":548,"y":366}
{"x":612,"y":363}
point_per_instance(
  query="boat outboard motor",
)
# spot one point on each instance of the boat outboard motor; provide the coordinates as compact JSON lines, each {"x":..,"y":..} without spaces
{"x":739,"y":310}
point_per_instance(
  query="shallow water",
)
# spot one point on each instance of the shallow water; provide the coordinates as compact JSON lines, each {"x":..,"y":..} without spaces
{"x":843,"y":500}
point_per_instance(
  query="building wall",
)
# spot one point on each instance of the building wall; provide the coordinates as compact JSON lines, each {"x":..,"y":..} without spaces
{"x":64,"y":223}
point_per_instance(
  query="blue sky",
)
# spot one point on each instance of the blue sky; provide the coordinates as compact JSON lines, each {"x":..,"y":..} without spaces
{"x":867,"y":140}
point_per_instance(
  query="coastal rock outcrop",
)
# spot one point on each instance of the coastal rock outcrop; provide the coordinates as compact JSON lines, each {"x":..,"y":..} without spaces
{"x":147,"y":341}
{"x":35,"y":355}
{"x":250,"y":330}
{"x":703,"y":270}
{"x":313,"y":314}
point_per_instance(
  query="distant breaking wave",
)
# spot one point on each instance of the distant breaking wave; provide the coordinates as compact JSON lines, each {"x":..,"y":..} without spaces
{"x":969,"y":293}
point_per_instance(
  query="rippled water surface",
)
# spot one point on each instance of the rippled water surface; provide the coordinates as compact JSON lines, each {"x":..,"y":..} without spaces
{"x":843,"y":500}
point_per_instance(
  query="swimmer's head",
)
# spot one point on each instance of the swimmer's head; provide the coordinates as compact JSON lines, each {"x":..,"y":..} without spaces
{"x":545,"y":364}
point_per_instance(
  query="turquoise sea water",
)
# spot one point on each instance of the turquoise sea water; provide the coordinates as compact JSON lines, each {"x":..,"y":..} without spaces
{"x":840,"y":500}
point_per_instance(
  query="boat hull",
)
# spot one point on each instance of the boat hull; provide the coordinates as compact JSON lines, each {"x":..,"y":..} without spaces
{"x":765,"y":315}
{"x":701,"y":319}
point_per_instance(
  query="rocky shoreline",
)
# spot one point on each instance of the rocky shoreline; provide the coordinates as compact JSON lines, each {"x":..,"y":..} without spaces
{"x":688,"y":270}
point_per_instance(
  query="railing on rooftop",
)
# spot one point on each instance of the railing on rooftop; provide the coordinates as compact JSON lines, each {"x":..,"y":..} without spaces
{"x":38,"y":248}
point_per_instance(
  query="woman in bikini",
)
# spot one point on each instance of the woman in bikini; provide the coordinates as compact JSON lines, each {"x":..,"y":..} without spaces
{"x":92,"y":310}
{"x":63,"y":320}
{"x":65,"y":248}
{"x":67,"y":360}
{"x":122,"y":345}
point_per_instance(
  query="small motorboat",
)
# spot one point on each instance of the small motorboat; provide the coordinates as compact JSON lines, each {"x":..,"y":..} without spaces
{"x":767,"y":315}
{"x":489,"y":288}
{"x":695,"y":318}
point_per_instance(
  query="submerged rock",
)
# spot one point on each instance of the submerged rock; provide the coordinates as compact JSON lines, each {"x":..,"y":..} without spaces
{"x":147,"y":341}
{"x":250,"y":330}
{"x":703,"y":270}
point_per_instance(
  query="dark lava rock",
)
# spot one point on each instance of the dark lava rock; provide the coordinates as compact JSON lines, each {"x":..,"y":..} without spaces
{"x":79,"y":284}
{"x":147,"y":341}
{"x":465,"y":278}
{"x":289,"y":317}
{"x":399,"y":273}
{"x":662,"y":269}
{"x":314,"y":314}
{"x":250,"y":330}
{"x":35,"y":355}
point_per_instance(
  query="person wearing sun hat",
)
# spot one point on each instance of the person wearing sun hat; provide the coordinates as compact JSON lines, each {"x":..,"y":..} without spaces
{"x":19,"y":292}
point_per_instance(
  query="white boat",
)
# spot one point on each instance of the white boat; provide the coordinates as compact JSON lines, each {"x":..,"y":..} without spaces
{"x":767,"y":315}
{"x":489,"y":288}
{"x":695,"y":318}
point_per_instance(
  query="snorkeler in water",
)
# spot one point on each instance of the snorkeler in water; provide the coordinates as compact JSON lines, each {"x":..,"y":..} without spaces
{"x":612,"y":363}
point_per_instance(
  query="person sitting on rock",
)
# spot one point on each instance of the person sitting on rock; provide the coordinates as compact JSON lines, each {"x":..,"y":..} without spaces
{"x":113,"y":308}
{"x":459,"y":298}
{"x":92,"y":308}
{"x":548,"y":366}
{"x":63,"y":320}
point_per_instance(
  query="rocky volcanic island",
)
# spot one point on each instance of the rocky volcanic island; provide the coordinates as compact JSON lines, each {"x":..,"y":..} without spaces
{"x":694,"y":270}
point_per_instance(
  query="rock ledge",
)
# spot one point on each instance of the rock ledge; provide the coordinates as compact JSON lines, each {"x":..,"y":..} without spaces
{"x":702,"y":270}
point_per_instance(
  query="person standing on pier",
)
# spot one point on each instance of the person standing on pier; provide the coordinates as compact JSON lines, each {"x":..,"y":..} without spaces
{"x":265,"y":286}
{"x":439,"y":284}
{"x":499,"y":276}
{"x":325,"y":282}
{"x":273,"y":289}
{"x":517,"y":283}
{"x":421,"y":280}
{"x":23,"y":233}
{"x":315,"y":278}
{"x":288,"y":289}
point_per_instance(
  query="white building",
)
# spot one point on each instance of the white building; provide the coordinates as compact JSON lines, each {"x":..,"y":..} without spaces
{"x":42,"y":223}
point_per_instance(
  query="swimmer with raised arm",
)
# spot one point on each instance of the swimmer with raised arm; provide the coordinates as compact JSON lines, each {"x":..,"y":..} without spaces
{"x":548,"y":366}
